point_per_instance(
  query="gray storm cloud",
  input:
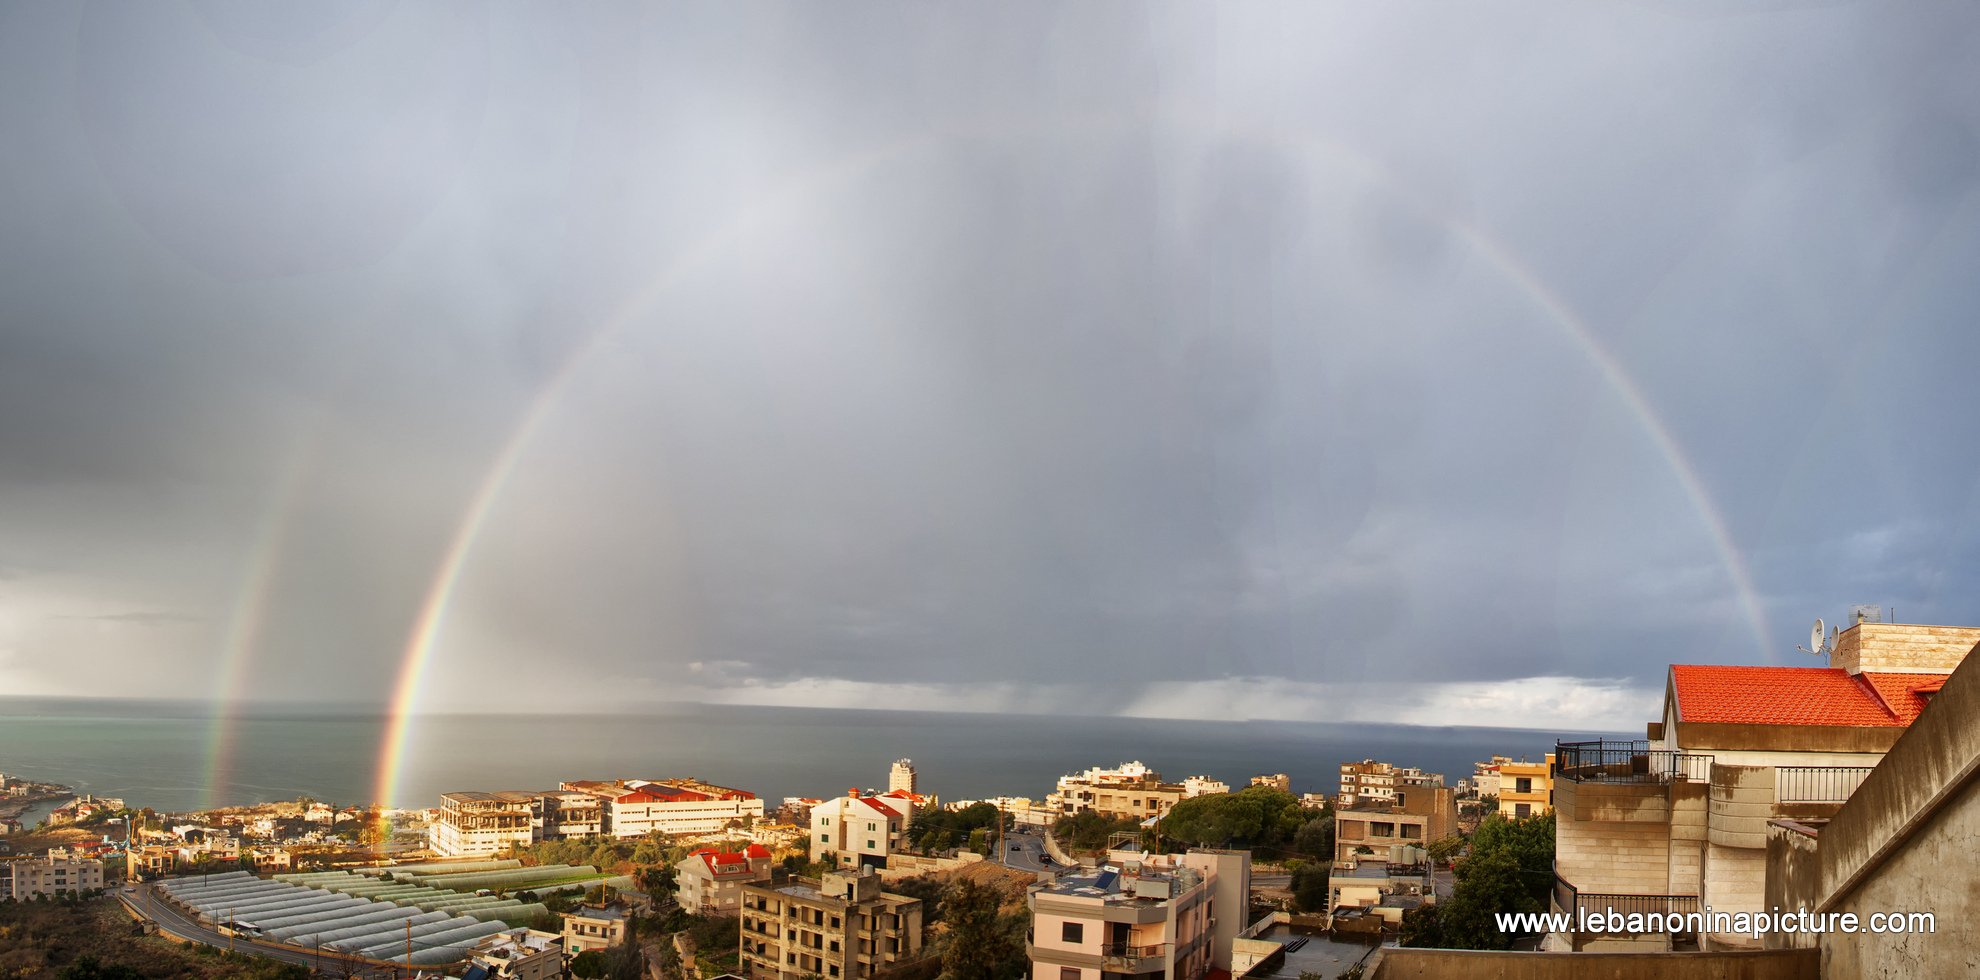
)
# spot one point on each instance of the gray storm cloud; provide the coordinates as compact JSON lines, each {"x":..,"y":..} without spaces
{"x":999,"y":358}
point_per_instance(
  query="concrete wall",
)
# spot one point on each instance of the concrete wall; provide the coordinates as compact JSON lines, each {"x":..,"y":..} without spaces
{"x":1463,"y":964}
{"x":1794,"y":875}
{"x":1618,"y":857}
{"x":1903,"y":647}
{"x":1904,"y":843}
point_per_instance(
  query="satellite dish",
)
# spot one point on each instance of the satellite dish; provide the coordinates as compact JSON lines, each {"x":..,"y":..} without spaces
{"x":1816,"y":644}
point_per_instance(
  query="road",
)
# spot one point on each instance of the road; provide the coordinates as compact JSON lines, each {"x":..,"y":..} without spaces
{"x":173,"y":921}
{"x":1023,"y":851}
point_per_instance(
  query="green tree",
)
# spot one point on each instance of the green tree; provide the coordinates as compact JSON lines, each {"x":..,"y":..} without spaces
{"x":1510,"y":870}
{"x":1315,"y":838}
{"x":589,"y":965}
{"x":1253,"y":817}
{"x":983,"y":943}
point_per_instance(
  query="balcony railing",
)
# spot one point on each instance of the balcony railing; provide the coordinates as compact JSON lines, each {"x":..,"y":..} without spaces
{"x":1129,"y":951}
{"x":1626,"y":762}
{"x":1571,"y":900}
{"x":1818,"y":784}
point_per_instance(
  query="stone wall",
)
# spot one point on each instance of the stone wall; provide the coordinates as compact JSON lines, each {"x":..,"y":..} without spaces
{"x":1613,"y":856}
{"x":1794,"y":875}
{"x":1903,"y":647}
{"x":1464,"y":964}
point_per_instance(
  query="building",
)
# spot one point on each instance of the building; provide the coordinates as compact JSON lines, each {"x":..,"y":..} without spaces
{"x":677,"y":807}
{"x":854,"y":830}
{"x":1131,"y":791}
{"x":1485,"y":776}
{"x":1174,"y":915}
{"x":902,"y":777}
{"x":58,"y":872}
{"x":1526,"y":789}
{"x":1378,"y":893}
{"x":841,"y":925}
{"x":1397,"y":831}
{"x":1278,"y":781}
{"x":474,"y":824}
{"x":1369,"y":781}
{"x":1679,"y":820}
{"x":519,"y":954}
{"x":709,"y":881}
{"x":590,"y":927}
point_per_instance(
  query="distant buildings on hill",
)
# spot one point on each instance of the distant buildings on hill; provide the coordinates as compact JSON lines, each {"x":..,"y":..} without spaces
{"x":1130,"y":791}
{"x":487,"y":823}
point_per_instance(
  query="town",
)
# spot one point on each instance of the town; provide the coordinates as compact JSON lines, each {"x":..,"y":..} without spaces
{"x":1843,"y":789}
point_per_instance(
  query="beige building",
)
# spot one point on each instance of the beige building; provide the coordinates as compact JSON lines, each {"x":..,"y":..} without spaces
{"x":676,"y":807}
{"x":1372,"y":782}
{"x":474,"y":824}
{"x":860,"y":830}
{"x":1131,"y":791}
{"x":1278,"y":781}
{"x":590,"y":927}
{"x":58,"y":872}
{"x":842,"y":925}
{"x":1398,"y":831}
{"x":520,"y":954}
{"x":1526,"y":789}
{"x":1679,"y":821}
{"x":1159,"y":916}
{"x":710,"y":882}
{"x":902,"y":777}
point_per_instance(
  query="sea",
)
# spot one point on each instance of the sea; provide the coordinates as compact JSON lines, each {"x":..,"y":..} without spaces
{"x":178,"y":756}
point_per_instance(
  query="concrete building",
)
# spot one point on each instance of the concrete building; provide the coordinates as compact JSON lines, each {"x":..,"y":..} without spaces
{"x":1526,"y":789}
{"x":519,"y":954}
{"x":590,"y":927}
{"x":842,"y":925}
{"x":1160,"y":916}
{"x":1395,"y":832}
{"x":854,"y":830}
{"x":1369,"y":781}
{"x":1485,"y":776}
{"x":1278,"y":781}
{"x":902,"y":777}
{"x":678,"y":807}
{"x":1378,"y":892}
{"x":58,"y":872}
{"x":1680,"y":820}
{"x":710,"y":882}
{"x":475,"y":824}
{"x":1131,"y":791}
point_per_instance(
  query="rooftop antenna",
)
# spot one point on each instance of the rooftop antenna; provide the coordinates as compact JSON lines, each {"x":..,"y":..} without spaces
{"x":1821,"y":641}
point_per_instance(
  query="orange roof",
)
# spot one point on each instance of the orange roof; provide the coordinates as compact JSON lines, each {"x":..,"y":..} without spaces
{"x":1797,"y":696}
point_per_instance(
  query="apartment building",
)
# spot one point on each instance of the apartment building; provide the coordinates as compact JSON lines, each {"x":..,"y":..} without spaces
{"x":1278,"y":781}
{"x":1679,"y":820}
{"x":1369,"y":781}
{"x":519,"y":954}
{"x":1131,"y":791}
{"x":903,"y":778}
{"x":854,"y":830}
{"x":1485,"y":776}
{"x":709,"y":881}
{"x":590,"y":927}
{"x":55,"y":873}
{"x":1172,"y":915}
{"x":840,"y":925}
{"x":1397,"y":830}
{"x":1377,"y":892}
{"x":476,"y":824}
{"x":1526,"y":789}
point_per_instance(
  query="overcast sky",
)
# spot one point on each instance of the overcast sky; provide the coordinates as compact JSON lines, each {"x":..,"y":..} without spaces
{"x":1442,"y":363}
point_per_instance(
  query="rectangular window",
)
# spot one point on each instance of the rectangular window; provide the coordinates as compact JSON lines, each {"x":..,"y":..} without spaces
{"x":1522,"y":809}
{"x":1072,"y":932}
{"x":1523,"y":784}
{"x":1068,"y":973}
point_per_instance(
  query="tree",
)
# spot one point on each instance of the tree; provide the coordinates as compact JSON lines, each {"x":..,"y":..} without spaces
{"x":1253,"y":817}
{"x":1310,"y":886}
{"x":983,"y":943}
{"x":1315,"y":838}
{"x":589,"y":964}
{"x":1510,"y":870}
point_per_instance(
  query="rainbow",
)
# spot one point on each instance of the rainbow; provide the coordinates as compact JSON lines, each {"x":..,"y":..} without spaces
{"x":245,"y":622}
{"x":807,"y":185}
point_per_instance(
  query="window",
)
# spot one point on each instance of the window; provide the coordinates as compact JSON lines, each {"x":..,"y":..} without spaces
{"x":1522,"y":809}
{"x":1072,"y":932}
{"x":1068,"y":973}
{"x":1523,"y":784}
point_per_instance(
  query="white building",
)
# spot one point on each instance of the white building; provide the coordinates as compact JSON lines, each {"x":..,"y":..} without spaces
{"x":475,"y":824}
{"x":520,"y":954}
{"x":681,"y":808}
{"x":855,"y":830}
{"x":902,"y":776}
{"x":59,"y":871}
{"x":1128,"y":791}
{"x":710,"y":882}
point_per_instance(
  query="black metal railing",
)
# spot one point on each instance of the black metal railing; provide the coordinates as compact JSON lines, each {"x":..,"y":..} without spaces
{"x":1818,"y":784}
{"x":1628,"y":762}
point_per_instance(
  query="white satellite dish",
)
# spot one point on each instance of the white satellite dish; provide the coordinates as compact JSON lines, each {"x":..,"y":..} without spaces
{"x":1817,"y":644}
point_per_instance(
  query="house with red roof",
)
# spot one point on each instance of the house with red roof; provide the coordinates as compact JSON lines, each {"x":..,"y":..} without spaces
{"x":855,"y":830}
{"x":1678,"y":821}
{"x":678,"y":807}
{"x":709,"y":881}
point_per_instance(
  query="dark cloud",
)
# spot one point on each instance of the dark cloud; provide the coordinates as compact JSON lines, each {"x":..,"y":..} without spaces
{"x":1039,"y":353}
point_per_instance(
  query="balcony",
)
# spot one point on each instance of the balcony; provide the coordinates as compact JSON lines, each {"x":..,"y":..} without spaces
{"x":1129,"y":958}
{"x":1626,"y":762}
{"x":1671,"y":911}
{"x":1817,"y":784}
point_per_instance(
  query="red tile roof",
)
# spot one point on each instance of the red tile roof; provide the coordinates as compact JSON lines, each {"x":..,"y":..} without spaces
{"x":1797,"y":696}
